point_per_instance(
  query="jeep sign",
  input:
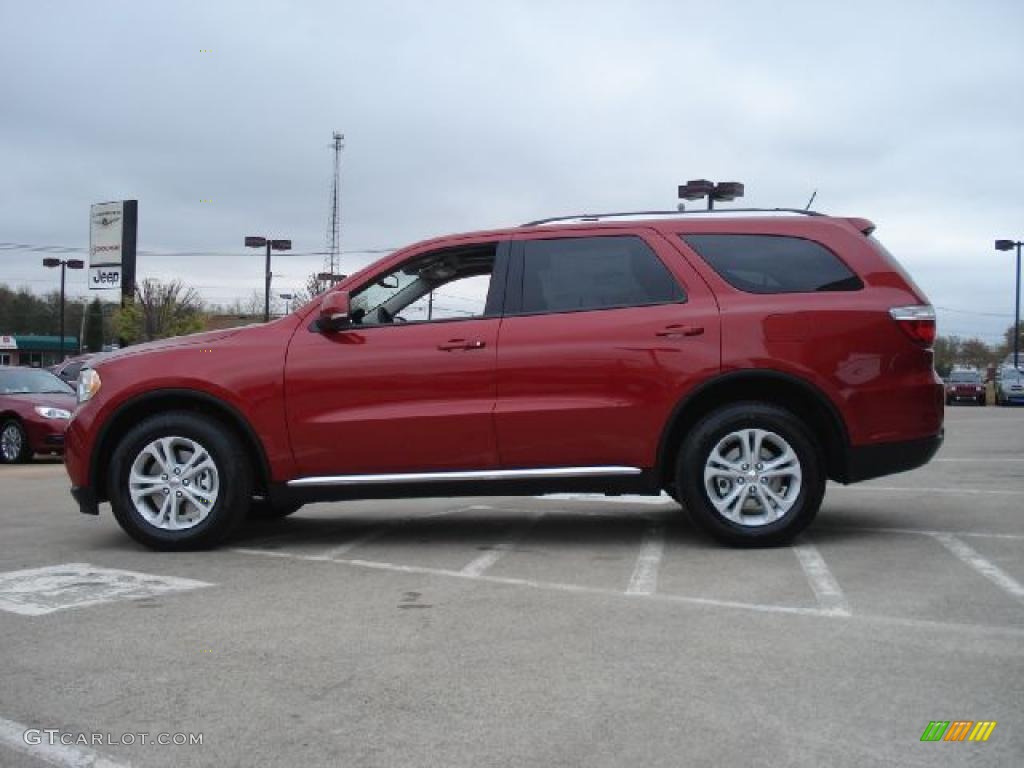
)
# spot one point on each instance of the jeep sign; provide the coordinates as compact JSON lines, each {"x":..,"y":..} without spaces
{"x":105,"y":277}
{"x":112,"y":236}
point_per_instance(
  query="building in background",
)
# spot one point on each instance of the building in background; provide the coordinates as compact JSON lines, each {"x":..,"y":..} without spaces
{"x":35,"y":351}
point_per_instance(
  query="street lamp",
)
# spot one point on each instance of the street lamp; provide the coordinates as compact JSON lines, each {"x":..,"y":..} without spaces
{"x":695,"y":189}
{"x":277,"y":245}
{"x":287,"y":298}
{"x":1009,"y":245}
{"x":63,"y":264}
{"x":330,"y":277}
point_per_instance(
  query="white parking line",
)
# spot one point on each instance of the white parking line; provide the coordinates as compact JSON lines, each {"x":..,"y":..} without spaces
{"x":12,"y":734}
{"x":366,"y":538}
{"x":920,"y":531}
{"x":979,"y":460}
{"x":644,"y":580}
{"x":370,"y":535}
{"x":626,"y":498}
{"x":986,"y":568}
{"x":901,"y":621}
{"x":826,"y":589}
{"x":762,"y":607}
{"x":486,"y":561}
{"x":921,"y":491}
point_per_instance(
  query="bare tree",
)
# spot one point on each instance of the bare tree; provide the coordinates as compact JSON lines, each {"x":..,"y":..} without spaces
{"x":160,"y":310}
{"x":313,"y":288}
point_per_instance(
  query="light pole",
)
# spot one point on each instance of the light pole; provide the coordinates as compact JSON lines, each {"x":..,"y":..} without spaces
{"x":64,"y":264}
{"x":277,"y":245}
{"x":287,"y":298}
{"x":1009,"y":245}
{"x":695,"y":189}
{"x":330,"y":277}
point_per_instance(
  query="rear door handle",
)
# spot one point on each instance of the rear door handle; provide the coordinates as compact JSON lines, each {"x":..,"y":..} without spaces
{"x":673,"y":331}
{"x":454,"y":344}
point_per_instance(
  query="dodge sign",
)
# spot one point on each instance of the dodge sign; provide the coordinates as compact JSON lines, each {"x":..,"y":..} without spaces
{"x":112,"y":235}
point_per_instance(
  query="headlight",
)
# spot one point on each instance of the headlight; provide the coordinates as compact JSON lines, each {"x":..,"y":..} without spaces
{"x":88,"y":384}
{"x":52,"y":413}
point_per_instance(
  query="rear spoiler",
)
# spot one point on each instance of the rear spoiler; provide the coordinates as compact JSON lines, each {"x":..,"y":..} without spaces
{"x":865,"y":226}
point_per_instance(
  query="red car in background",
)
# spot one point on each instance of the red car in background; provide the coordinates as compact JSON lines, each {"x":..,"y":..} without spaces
{"x":35,"y":407}
{"x":965,"y":387}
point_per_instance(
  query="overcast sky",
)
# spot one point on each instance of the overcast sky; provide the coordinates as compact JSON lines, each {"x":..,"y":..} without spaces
{"x":470,"y":115}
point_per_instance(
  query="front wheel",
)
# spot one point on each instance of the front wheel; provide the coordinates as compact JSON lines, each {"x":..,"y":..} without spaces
{"x":13,"y":443}
{"x":179,"y":481}
{"x":751,"y":475}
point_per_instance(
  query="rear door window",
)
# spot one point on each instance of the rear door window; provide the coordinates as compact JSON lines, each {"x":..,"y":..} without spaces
{"x":573,"y":274}
{"x":774,"y":263}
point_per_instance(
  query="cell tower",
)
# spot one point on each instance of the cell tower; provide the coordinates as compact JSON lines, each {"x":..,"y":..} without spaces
{"x":333,"y":260}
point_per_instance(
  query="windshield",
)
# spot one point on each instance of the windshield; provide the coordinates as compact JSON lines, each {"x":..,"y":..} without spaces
{"x":965,"y":377}
{"x":31,"y":381}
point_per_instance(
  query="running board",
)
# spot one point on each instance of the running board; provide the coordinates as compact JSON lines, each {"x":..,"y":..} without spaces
{"x":459,"y":476}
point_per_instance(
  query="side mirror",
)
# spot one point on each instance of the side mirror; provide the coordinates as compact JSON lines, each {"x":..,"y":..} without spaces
{"x":334,"y":311}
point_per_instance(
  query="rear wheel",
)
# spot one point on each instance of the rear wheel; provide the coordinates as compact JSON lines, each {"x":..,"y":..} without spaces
{"x":751,"y":475}
{"x":179,"y":481}
{"x":13,"y":443}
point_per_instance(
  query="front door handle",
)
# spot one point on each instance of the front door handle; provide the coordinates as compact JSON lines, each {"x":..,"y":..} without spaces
{"x":454,"y":344}
{"x":673,"y":331}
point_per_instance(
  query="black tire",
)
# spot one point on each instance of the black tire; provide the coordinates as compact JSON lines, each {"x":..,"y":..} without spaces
{"x":981,"y":400}
{"x":233,"y":470}
{"x":17,"y":451}
{"x":697,"y":448}
{"x":262,"y":509}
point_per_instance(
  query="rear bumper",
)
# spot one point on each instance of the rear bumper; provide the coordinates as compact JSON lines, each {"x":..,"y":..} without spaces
{"x":868,"y":461}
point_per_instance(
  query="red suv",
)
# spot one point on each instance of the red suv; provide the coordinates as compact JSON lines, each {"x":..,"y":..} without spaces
{"x":734,"y":360}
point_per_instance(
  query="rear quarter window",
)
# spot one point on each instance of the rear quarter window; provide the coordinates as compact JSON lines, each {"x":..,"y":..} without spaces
{"x":774,"y":263}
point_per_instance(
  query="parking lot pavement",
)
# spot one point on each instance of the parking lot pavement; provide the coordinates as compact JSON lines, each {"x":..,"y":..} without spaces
{"x":560,"y":631}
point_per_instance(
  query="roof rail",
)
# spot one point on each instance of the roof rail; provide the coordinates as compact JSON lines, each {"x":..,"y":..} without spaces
{"x":585,"y":217}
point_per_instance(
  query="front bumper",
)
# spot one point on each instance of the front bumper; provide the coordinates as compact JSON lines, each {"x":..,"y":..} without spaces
{"x":868,"y":461}
{"x":86,"y":499}
{"x":45,"y":436}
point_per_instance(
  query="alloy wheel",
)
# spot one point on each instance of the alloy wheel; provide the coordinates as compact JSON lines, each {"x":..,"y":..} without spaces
{"x":752,"y":477}
{"x":174,"y":483}
{"x":10,"y":442}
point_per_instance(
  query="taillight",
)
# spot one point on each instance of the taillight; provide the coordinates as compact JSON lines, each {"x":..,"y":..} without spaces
{"x":918,"y":322}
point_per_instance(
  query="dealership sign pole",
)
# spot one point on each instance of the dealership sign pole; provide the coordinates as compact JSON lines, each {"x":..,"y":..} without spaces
{"x":113,"y":232}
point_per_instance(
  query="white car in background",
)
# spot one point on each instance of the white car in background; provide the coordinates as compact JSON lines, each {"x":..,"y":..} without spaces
{"x":1009,"y":386}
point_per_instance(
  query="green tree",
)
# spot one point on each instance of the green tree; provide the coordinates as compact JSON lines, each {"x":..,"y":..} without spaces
{"x":158,"y":311}
{"x":23,"y":312}
{"x":1007,"y":347}
{"x":94,"y":326}
{"x":947,"y":353}
{"x":977,"y":354}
